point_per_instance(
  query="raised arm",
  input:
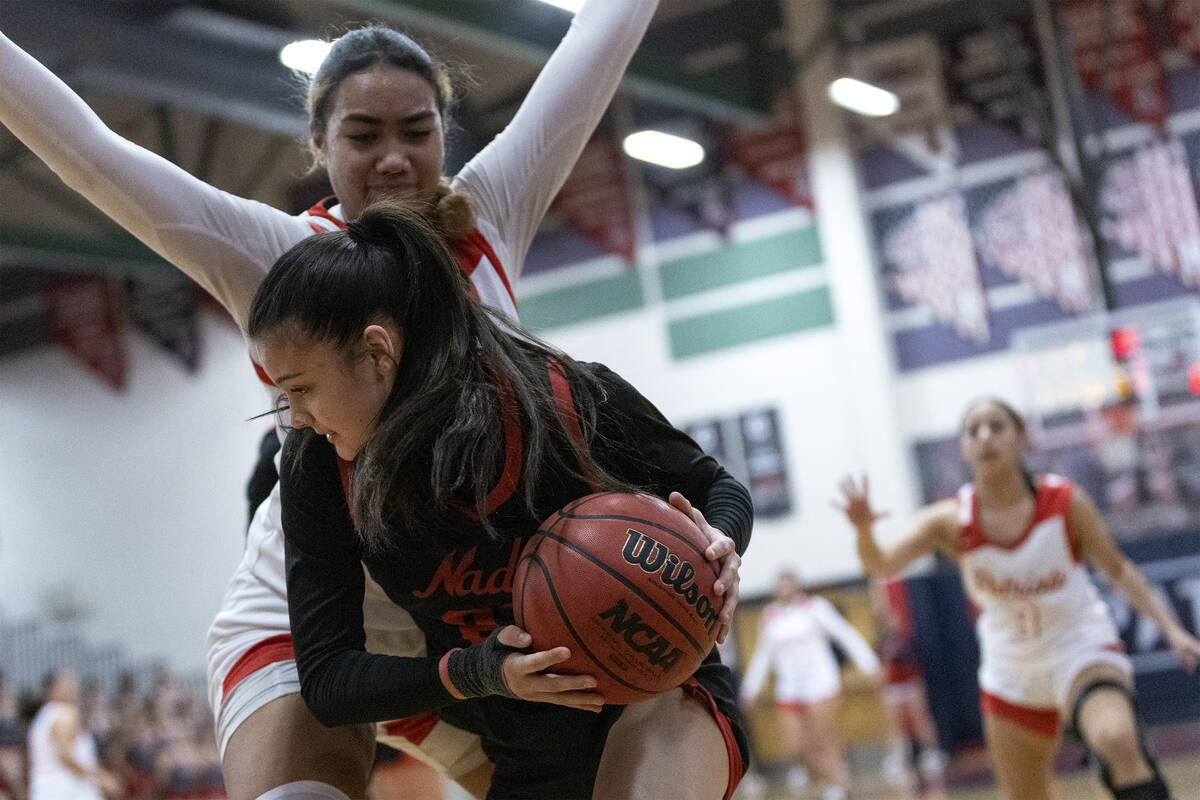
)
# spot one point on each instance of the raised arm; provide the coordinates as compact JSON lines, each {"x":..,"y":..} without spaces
{"x":513,"y":180}
{"x":932,"y":528}
{"x":223,"y":242}
{"x":846,"y":637}
{"x":1088,"y":529}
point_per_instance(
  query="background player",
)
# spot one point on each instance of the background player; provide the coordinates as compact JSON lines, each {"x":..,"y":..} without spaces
{"x":378,"y":114}
{"x":794,"y":642}
{"x":1049,"y":649}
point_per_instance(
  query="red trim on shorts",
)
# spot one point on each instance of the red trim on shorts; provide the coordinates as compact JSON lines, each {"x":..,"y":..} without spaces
{"x":791,"y":705}
{"x":899,"y":673}
{"x":1115,"y":647}
{"x":414,"y":728}
{"x":268,"y":651}
{"x":1038,"y":720}
{"x":696,"y":690}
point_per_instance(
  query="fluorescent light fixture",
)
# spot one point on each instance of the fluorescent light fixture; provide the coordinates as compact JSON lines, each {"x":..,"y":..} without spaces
{"x":664,"y":149}
{"x":305,"y":55}
{"x":568,"y":5}
{"x":863,"y":98}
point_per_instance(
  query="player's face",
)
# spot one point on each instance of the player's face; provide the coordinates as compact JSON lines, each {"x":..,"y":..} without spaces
{"x":338,"y":395}
{"x":991,"y":438}
{"x":383,"y":139}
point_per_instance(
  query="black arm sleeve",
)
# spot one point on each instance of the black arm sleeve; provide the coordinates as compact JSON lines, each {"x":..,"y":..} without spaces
{"x":339,"y":680}
{"x":636,"y":442}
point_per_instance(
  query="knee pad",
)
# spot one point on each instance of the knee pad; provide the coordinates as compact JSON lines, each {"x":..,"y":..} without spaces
{"x":1153,"y":789}
{"x":304,"y":790}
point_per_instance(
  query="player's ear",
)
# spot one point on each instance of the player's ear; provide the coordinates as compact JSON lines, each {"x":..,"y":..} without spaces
{"x":318,"y":145}
{"x":384,"y":345}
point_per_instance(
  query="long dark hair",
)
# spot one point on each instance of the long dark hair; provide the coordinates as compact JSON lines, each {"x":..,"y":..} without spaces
{"x":363,"y":49}
{"x":438,"y":446}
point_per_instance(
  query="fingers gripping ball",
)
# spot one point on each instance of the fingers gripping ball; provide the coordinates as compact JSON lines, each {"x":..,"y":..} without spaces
{"x":620,"y":579}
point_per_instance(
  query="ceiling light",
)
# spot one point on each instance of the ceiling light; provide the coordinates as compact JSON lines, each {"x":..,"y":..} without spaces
{"x":569,"y":5}
{"x":863,"y":98}
{"x":304,"y":56}
{"x":664,"y":149}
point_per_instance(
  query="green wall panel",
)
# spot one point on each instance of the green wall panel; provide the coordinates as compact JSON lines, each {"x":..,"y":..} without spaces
{"x":740,"y":325}
{"x":742,"y":262}
{"x":581,"y":302}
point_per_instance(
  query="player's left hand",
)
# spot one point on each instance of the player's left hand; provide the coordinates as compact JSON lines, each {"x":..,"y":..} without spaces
{"x":1185,"y":646}
{"x":722,"y":552}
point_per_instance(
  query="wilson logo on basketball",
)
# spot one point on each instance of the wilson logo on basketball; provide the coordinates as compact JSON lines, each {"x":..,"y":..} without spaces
{"x":653,"y":556}
{"x":652,"y":644}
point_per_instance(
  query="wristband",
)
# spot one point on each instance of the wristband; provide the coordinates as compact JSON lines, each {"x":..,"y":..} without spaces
{"x":477,"y":671}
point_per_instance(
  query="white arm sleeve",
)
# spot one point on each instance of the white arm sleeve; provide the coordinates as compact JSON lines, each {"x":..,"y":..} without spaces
{"x":513,"y":180}
{"x":223,"y":242}
{"x":849,"y":639}
{"x":760,"y":664}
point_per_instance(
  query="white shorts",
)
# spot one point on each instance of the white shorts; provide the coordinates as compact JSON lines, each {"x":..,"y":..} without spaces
{"x":1033,"y":692}
{"x":250,"y":659}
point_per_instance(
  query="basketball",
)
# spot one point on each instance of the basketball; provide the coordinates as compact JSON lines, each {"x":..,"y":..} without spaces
{"x":620,"y":579}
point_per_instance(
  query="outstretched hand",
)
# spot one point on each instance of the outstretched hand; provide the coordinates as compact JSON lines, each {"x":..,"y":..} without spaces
{"x":527,"y":675}
{"x":856,"y":503}
{"x":720,"y":551}
{"x":1186,"y":648}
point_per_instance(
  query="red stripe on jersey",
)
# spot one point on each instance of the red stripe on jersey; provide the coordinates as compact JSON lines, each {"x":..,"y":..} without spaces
{"x":268,"y":651}
{"x":321,"y":210}
{"x":469,"y":249}
{"x":414,"y":728}
{"x":566,"y":411}
{"x":1050,"y":501}
{"x":511,"y":475}
{"x":262,"y":373}
{"x":1038,"y":720}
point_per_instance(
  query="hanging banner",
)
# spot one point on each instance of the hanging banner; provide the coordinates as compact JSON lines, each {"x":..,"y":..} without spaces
{"x":1151,"y":203}
{"x":1184,"y":16}
{"x":922,"y":129}
{"x":931,"y":262}
{"x":774,"y":157}
{"x":595,"y":201}
{"x":1030,"y":232}
{"x":995,"y":73}
{"x":707,"y":199}
{"x":1115,"y":54}
{"x":166,"y":311}
{"x":85,"y":318}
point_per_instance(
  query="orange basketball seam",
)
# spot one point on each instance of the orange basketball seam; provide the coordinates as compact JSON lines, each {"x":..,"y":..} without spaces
{"x":565,"y":619}
{"x":631,"y":587}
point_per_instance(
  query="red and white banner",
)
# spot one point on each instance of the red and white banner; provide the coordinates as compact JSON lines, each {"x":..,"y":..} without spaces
{"x":1151,"y":201}
{"x":1184,"y":18}
{"x":775,"y":157}
{"x":1031,"y":233}
{"x":1115,"y":54}
{"x":85,"y":318}
{"x":909,"y":67}
{"x":595,"y":199}
{"x":934,"y":265}
{"x":168,"y":312}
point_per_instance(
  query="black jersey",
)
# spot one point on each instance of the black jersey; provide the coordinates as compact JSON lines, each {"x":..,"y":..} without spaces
{"x":460,"y":594}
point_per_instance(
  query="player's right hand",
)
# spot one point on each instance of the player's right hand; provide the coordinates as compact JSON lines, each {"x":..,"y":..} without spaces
{"x":529,"y":675}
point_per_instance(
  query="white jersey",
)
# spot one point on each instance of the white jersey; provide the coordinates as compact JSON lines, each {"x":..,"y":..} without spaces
{"x":49,"y":778}
{"x":1035,"y":596}
{"x":228,"y":243}
{"x":794,"y":643}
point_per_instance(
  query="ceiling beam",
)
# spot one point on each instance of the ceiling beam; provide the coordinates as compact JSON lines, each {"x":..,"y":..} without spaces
{"x":498,"y":26}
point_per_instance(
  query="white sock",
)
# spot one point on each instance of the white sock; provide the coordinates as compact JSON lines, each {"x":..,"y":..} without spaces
{"x":304,"y":790}
{"x":833,"y":793}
